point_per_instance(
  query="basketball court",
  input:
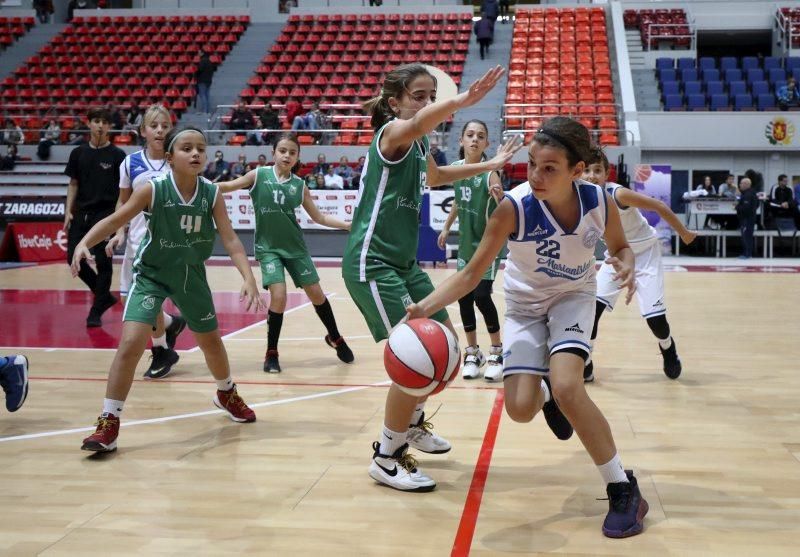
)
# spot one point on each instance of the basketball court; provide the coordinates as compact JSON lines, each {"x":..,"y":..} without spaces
{"x":716,"y":452}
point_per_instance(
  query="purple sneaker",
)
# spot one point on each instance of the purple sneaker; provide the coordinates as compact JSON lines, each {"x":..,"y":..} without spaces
{"x":626,"y":509}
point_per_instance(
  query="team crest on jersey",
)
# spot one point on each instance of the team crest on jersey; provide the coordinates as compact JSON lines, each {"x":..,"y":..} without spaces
{"x":406,"y":299}
{"x":590,"y":238}
{"x":292,"y":190}
{"x":270,"y":267}
{"x":149,"y":302}
{"x":204,"y":204}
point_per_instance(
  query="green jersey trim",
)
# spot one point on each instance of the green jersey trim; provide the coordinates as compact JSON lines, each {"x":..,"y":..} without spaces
{"x":373,"y":219}
{"x":378,"y":148}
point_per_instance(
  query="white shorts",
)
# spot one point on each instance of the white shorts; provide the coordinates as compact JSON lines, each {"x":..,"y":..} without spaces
{"x":126,"y":275}
{"x":649,"y":283}
{"x":529,"y":340}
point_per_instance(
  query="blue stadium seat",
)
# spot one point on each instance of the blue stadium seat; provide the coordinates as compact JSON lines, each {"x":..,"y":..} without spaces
{"x":733,"y":75}
{"x":670,"y":88}
{"x":777,"y":74}
{"x":767,"y":102}
{"x":711,"y":74}
{"x":720,"y":102}
{"x":759,"y":88}
{"x":689,"y":74}
{"x":685,"y":63}
{"x":668,"y":75}
{"x":715,"y":88}
{"x":696,"y":102}
{"x":664,"y":64}
{"x":673,"y":102}
{"x":743,"y":102}
{"x":791,"y":63}
{"x":771,"y":62}
{"x":728,"y":63}
{"x":692,"y":88}
{"x":755,"y":74}
{"x":707,"y":63}
{"x":777,"y":85}
{"x":749,"y":63}
{"x":796,"y":74}
{"x":737,"y":88}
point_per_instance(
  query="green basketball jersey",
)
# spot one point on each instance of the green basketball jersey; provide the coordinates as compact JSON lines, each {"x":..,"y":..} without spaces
{"x":178,"y":232}
{"x":385,"y":228}
{"x":274,"y":202}
{"x":474,"y":207}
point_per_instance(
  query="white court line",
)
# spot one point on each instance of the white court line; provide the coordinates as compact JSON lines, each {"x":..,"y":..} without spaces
{"x":193,"y":414}
{"x":354,"y":337}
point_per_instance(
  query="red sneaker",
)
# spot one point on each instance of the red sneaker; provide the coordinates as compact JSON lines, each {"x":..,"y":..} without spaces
{"x":232,"y":403}
{"x":104,"y":439}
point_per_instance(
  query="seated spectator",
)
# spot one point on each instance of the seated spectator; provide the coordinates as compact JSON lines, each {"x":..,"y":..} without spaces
{"x":242,"y":118}
{"x":52,"y":132}
{"x":728,"y":188}
{"x":116,"y":117}
{"x":293,"y":110}
{"x":13,"y":134}
{"x":134,"y":120}
{"x":333,"y":181}
{"x":781,"y":199}
{"x":269,"y":121}
{"x":8,"y":161}
{"x":322,"y":165}
{"x":218,"y":169}
{"x":438,"y":156}
{"x":706,"y":188}
{"x":262,"y":160}
{"x":76,"y":135}
{"x":357,"y":171}
{"x":311,"y":120}
{"x":239,"y":168}
{"x":316,"y":181}
{"x":344,"y":171}
{"x":788,"y":95}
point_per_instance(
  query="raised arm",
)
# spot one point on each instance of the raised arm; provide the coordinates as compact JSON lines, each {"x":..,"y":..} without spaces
{"x":237,"y":254}
{"x":621,"y":254}
{"x":315,"y":214}
{"x":633,"y":199}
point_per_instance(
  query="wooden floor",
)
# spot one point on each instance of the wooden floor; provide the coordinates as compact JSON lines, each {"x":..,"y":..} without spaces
{"x":717,"y":453}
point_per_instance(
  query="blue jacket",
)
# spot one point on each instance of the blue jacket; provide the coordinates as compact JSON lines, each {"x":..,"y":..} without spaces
{"x":490,"y":8}
{"x":786,"y":94}
{"x":484,"y":29}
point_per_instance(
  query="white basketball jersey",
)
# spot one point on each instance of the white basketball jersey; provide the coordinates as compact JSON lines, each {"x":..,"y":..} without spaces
{"x":637,"y":230}
{"x":544,"y":258}
{"x":134,"y":172}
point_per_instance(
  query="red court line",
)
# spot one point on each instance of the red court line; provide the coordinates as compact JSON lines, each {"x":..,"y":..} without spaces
{"x":469,"y":516}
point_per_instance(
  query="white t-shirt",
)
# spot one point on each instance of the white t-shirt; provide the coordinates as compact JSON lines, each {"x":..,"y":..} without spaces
{"x":334,"y":182}
{"x":134,"y":172}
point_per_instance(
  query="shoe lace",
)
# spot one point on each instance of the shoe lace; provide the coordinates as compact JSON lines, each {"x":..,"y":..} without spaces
{"x":619,"y":503}
{"x":236,"y":401}
{"x":408,"y":462}
{"x":426,"y":426}
{"x":103,"y":424}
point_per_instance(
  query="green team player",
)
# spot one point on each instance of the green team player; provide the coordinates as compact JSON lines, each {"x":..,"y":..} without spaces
{"x":276,"y":192}
{"x":181,"y":209}
{"x":473,"y":205}
{"x":379,"y":266}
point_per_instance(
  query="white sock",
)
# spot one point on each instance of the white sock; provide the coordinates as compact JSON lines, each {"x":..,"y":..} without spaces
{"x":160,"y":341}
{"x":665,"y":343}
{"x":612,"y":471}
{"x":546,"y":391}
{"x":417,"y":414}
{"x":472,"y":350}
{"x":113,"y":407}
{"x":391,"y":441}
{"x":225,"y":384}
{"x":496,"y":349}
{"x":167,"y":319}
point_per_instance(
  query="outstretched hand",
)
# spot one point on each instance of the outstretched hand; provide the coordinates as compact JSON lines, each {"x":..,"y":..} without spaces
{"x":624,"y":274}
{"x":249,"y":292}
{"x":481,"y":86}
{"x":505,"y":152}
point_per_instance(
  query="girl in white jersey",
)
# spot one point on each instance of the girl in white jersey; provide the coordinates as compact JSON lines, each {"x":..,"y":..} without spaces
{"x":552,"y":223}
{"x":135,"y":171}
{"x":649,"y":270}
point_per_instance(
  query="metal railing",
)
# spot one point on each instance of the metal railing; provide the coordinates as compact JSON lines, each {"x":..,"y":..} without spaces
{"x":83,"y":132}
{"x":655,"y":32}
{"x":784,"y":25}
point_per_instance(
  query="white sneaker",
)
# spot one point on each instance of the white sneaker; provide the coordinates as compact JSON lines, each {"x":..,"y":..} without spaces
{"x":422,"y":438}
{"x":399,"y":471}
{"x":473,"y":362}
{"x":494,"y":367}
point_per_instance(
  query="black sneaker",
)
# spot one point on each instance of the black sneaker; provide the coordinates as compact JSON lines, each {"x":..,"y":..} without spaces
{"x":162,"y":360}
{"x":99,"y":307}
{"x":672,"y":363}
{"x":555,"y":418}
{"x":626,"y":509}
{"x":93,"y":319}
{"x":343,"y":351}
{"x":175,"y":329}
{"x":271,"y":363}
{"x":588,"y":372}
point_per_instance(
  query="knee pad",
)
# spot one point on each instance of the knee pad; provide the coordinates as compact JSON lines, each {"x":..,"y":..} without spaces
{"x":659,"y":325}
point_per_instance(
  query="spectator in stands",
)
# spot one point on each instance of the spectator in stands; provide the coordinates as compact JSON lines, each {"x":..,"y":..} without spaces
{"x":134,"y":120}
{"x":756,"y":181}
{"x":308,"y":121}
{"x":504,"y":15}
{"x":76,"y":133}
{"x":375,"y":2}
{"x":788,"y":95}
{"x":706,"y":187}
{"x":344,"y":171}
{"x":293,"y":110}
{"x":490,"y":9}
{"x":269,"y":121}
{"x":242,"y":118}
{"x":52,"y":132}
{"x":262,"y":160}
{"x":239,"y":168}
{"x":43,"y":9}
{"x":78,"y":5}
{"x":117,"y":121}
{"x":13,"y":134}
{"x":746,"y":211}
{"x":438,"y":155}
{"x":781,"y":199}
{"x":218,"y":170}
{"x":332,"y":180}
{"x":8,"y":161}
{"x":92,"y":194}
{"x":728,"y":188}
{"x":357,"y":171}
{"x":322,"y":165}
{"x":484,"y":31}
{"x":204,"y":76}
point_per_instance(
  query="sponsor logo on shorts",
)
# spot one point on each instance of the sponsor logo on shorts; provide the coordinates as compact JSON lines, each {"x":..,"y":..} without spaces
{"x":406,"y":299}
{"x":149,"y":302}
{"x":305,"y":273}
{"x":461,"y":263}
{"x":590,"y":238}
{"x":576,"y":328}
{"x":208,"y":317}
{"x":659,"y":303}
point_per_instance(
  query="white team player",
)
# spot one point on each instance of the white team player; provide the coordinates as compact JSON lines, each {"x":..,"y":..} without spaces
{"x":649,"y":270}
{"x":135,"y":171}
{"x":552,"y":224}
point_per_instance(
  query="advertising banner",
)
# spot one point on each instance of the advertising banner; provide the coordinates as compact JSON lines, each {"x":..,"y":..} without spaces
{"x":655,"y":180}
{"x":336,"y":203}
{"x":35,"y":241}
{"x":442,"y":202}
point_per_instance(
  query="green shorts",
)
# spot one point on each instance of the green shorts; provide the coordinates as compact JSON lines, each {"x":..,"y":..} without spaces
{"x":383,"y":300}
{"x":186,"y":286}
{"x":301,"y":269}
{"x":491,"y":272}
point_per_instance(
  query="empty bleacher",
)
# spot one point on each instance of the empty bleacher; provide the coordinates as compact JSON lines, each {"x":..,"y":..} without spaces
{"x":660,"y":28}
{"x":560,"y":66}
{"x":12,"y":28}
{"x":789,"y":21}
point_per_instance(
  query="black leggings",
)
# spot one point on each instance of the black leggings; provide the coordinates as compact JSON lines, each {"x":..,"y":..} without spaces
{"x":481,"y":297}
{"x":100,"y":282}
{"x":658,"y":323}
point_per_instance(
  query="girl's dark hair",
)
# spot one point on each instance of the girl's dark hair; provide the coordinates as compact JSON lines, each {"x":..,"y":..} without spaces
{"x":288,"y":136}
{"x":395,"y":84}
{"x":473,"y":121}
{"x":169,"y":142}
{"x":597,"y":156}
{"x":568,"y":135}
